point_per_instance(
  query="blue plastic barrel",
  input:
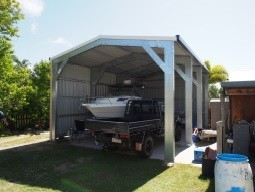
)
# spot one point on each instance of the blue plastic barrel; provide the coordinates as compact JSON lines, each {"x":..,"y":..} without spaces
{"x":233,"y":173}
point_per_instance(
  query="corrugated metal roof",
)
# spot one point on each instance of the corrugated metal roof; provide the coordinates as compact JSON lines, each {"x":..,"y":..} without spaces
{"x":132,"y":61}
{"x":150,"y":38}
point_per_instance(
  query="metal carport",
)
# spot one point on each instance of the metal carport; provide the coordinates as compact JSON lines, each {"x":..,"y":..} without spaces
{"x":171,"y":70}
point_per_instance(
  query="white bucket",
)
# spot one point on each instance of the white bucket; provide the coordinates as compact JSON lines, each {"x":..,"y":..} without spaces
{"x":233,"y":173}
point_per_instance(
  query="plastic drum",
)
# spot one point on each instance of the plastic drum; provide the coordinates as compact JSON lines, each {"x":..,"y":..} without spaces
{"x":233,"y":173}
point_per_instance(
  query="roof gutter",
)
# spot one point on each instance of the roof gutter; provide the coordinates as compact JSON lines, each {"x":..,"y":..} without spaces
{"x":238,"y":84}
{"x":186,"y":47}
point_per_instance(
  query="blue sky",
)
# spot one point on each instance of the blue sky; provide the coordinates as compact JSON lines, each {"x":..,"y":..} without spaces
{"x":221,"y":31}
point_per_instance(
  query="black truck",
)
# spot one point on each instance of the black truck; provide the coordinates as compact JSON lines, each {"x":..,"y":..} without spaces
{"x":143,"y":119}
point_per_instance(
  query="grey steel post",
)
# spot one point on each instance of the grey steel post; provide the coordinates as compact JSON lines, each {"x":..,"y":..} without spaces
{"x":169,"y":103}
{"x":53,"y":102}
{"x":199,"y":96}
{"x":206,"y":102}
{"x":188,"y":101}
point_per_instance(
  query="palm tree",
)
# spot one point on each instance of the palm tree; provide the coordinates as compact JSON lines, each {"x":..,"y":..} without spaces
{"x":214,"y":91}
{"x":20,"y":64}
{"x":217,"y":74}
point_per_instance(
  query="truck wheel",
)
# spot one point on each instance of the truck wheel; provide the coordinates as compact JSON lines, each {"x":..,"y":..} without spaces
{"x":147,"y":147}
{"x":178,"y":133}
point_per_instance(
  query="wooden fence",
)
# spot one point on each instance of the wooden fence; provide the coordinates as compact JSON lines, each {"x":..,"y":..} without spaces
{"x":17,"y":122}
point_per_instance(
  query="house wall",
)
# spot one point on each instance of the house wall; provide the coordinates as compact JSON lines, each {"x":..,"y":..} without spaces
{"x":242,"y":107}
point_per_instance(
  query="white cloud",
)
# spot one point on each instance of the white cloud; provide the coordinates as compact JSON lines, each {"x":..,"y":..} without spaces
{"x":33,"y":8}
{"x":61,"y":41}
{"x":34,"y":28}
{"x":242,"y":75}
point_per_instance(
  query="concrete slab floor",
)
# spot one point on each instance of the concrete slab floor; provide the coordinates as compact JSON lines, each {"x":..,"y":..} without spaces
{"x":183,"y":153}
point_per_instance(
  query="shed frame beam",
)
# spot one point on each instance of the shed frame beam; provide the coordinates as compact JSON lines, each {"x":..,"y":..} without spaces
{"x":188,"y":101}
{"x":181,"y":73}
{"x":155,"y":57}
{"x":61,"y":67}
{"x":199,"y":92}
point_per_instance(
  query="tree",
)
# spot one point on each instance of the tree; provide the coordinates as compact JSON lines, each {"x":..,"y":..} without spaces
{"x":5,"y":47}
{"x":40,"y":99}
{"x":214,"y":91}
{"x":10,"y":14}
{"x":11,"y":85}
{"x":217,"y":74}
{"x":15,"y":84}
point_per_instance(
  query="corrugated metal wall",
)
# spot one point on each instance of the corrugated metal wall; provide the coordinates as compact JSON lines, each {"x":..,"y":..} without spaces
{"x":179,"y":96}
{"x":155,"y":89}
{"x":73,"y":85}
{"x":102,"y":87}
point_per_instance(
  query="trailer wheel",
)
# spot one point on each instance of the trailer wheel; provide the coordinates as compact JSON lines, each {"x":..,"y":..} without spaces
{"x":178,"y":133}
{"x":147,"y":147}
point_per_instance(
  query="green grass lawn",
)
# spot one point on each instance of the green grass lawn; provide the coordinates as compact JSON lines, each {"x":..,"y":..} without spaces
{"x":62,"y":167}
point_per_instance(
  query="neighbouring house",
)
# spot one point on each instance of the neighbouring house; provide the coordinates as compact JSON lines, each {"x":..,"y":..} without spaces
{"x":238,"y":118}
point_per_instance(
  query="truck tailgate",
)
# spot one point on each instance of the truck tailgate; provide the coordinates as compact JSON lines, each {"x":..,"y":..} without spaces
{"x":113,"y":126}
{"x":106,"y":125}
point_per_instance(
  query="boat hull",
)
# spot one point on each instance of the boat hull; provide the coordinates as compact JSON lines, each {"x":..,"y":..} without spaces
{"x":106,"y":111}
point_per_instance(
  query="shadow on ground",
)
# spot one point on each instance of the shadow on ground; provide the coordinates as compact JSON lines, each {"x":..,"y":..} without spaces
{"x":70,"y":168}
{"x":63,"y":167}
